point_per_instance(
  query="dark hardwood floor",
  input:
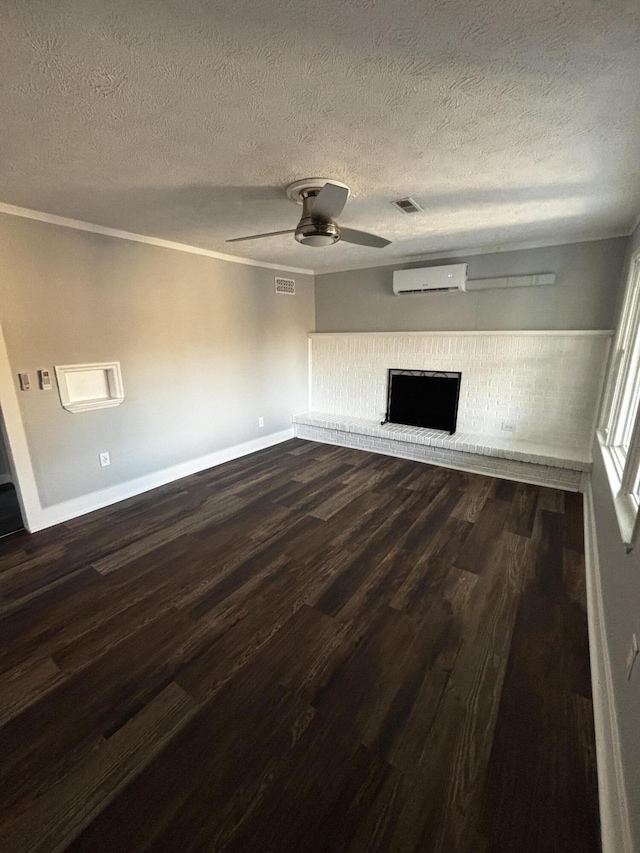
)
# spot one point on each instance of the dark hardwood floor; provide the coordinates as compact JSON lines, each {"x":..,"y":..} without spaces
{"x":309,"y":649}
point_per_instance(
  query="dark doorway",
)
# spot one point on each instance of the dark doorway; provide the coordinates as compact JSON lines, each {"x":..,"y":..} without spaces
{"x":10,"y":515}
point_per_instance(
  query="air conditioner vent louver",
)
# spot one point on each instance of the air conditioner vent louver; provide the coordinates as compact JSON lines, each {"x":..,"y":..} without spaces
{"x":286,"y":286}
{"x":432,"y":290}
{"x":407,"y":205}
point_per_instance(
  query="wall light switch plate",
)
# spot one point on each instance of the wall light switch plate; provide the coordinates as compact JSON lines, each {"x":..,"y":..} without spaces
{"x":105,"y":459}
{"x":632,"y":656}
{"x":45,"y":380}
{"x":260,"y":422}
{"x":25,"y":382}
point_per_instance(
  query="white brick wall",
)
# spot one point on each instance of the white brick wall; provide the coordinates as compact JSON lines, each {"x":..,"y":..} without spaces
{"x":548,"y":384}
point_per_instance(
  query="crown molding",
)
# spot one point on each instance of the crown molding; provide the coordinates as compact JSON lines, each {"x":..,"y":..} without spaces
{"x":484,"y":250}
{"x":635,"y":225}
{"x":79,"y":225}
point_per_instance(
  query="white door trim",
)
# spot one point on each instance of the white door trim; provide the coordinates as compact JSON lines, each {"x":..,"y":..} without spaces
{"x":614,"y":808}
{"x":16,"y":442}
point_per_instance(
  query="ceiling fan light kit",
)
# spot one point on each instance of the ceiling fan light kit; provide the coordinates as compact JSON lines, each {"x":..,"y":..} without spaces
{"x":322,"y":201}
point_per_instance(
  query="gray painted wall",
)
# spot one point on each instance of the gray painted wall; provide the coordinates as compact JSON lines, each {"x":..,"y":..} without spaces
{"x":621,"y":602}
{"x":583,"y":298}
{"x":206,"y":347}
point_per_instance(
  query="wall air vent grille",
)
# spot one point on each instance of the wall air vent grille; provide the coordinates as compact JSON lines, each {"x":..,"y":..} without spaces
{"x":407,"y":205}
{"x":285,"y":286}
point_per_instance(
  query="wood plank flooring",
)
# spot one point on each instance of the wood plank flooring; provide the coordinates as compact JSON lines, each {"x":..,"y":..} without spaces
{"x":308,"y":649}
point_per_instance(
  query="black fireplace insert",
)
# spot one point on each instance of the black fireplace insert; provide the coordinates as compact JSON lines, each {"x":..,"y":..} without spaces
{"x":423,"y":398}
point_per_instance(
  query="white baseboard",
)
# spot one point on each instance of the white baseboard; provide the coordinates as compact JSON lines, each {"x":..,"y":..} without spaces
{"x":58,"y":513}
{"x":614,"y":809}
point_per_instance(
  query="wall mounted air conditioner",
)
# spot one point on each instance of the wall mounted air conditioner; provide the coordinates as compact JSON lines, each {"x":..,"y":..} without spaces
{"x":446,"y":279}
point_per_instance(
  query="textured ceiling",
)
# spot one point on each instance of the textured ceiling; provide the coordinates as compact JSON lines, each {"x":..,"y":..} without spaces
{"x":507,"y":120}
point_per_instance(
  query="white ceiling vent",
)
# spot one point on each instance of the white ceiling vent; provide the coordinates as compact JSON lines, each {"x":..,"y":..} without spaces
{"x":286,"y":286}
{"x":407,"y":205}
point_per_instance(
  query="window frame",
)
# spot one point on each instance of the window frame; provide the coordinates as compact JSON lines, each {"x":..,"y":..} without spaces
{"x":620,"y":414}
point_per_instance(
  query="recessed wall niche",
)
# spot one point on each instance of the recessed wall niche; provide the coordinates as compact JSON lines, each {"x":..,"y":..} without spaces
{"x":84,"y":387}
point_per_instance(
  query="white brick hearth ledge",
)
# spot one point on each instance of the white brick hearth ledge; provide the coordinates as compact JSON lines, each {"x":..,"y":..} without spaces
{"x":511,"y":459}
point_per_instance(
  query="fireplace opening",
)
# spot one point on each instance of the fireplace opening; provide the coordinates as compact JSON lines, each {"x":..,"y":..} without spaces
{"x":423,"y":398}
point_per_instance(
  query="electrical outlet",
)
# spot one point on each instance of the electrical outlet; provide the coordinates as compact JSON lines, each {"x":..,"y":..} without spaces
{"x":508,"y":426}
{"x":632,"y":655}
{"x":105,"y":459}
{"x":260,"y":422}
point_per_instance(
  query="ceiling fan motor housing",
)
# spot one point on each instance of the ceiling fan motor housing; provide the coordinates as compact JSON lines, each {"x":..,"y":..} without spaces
{"x":311,"y":232}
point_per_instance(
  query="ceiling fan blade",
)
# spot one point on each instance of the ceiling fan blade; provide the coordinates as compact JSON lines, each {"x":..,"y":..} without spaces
{"x":330,"y":202}
{"x":361,"y":238}
{"x":257,"y":236}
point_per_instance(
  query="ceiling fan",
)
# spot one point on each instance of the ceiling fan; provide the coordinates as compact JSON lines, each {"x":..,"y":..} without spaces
{"x":322,"y":202}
